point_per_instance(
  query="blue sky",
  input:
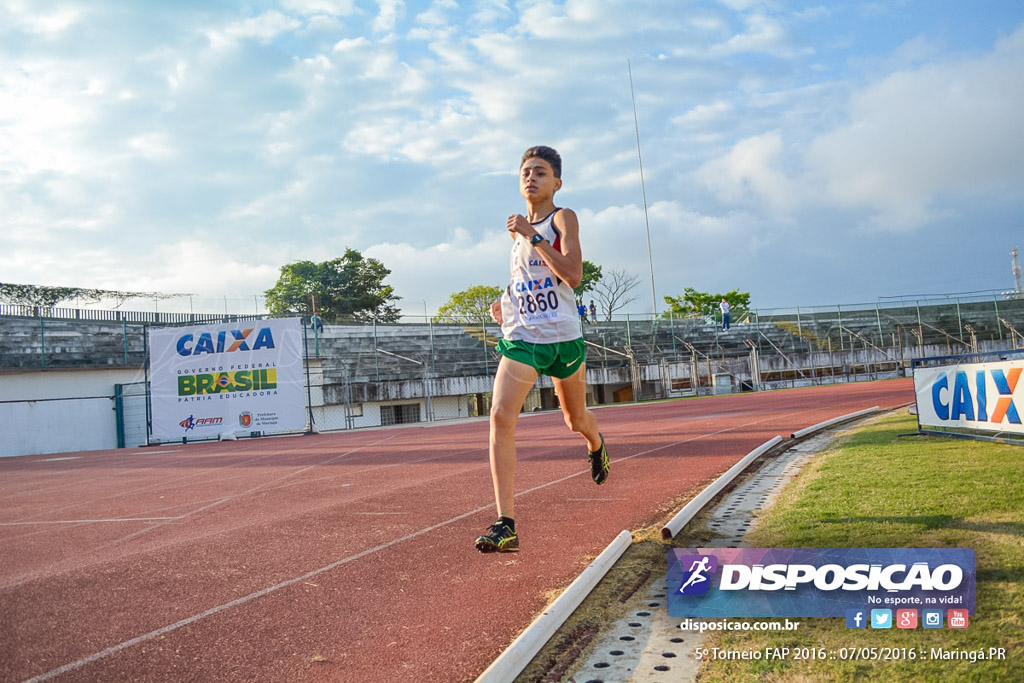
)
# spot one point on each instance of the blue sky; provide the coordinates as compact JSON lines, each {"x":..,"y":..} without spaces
{"x":809,"y":153}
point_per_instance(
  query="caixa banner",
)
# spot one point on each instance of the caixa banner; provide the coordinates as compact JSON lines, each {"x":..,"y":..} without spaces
{"x":209,"y":380}
{"x":980,"y":396}
{"x":817,"y":582}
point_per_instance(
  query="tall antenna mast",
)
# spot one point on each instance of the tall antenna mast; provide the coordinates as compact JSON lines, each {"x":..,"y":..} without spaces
{"x":636,"y":124}
{"x":1016,"y":272}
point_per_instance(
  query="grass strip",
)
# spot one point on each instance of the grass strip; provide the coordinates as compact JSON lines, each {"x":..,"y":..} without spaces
{"x":874,"y":488}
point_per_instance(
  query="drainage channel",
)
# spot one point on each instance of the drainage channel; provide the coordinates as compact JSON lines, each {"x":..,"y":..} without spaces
{"x":647,"y":645}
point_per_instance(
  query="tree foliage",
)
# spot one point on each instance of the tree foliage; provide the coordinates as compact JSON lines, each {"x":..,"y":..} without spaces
{"x":702,"y":304}
{"x":615,"y":290}
{"x":469,"y":306}
{"x":47,"y":297}
{"x":591,"y":276}
{"x":350,"y":287}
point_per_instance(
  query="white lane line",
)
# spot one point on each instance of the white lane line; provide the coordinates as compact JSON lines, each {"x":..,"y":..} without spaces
{"x":284,"y":584}
{"x":334,"y":565}
{"x":244,"y":599}
{"x":261,"y":487}
{"x":89,"y":521}
{"x":592,"y":500}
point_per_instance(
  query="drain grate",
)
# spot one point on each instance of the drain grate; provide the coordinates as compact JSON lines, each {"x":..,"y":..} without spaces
{"x":647,"y":646}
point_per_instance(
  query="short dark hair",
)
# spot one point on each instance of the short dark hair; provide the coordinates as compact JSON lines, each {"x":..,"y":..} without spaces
{"x":547,"y":154}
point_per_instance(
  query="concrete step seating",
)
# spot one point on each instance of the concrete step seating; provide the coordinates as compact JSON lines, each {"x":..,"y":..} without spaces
{"x":367,"y":352}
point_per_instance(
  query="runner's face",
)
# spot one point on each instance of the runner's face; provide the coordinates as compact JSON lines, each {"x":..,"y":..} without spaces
{"x":537,"y":181}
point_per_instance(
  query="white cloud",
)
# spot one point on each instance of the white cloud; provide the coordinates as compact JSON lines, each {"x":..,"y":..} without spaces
{"x":154,"y":145}
{"x":705,"y":113}
{"x":432,"y":273}
{"x":211,"y":271}
{"x":435,"y":16}
{"x":489,"y":11}
{"x":389,"y":12}
{"x":264,"y":28}
{"x":752,"y":172}
{"x":351,"y":44}
{"x":916,"y":135}
{"x":329,"y":123}
{"x":43,"y":109}
{"x":333,"y":8}
{"x":765,"y":35}
{"x":27,"y":16}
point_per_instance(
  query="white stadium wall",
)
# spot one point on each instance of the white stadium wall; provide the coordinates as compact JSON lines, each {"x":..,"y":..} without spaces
{"x":83,"y":419}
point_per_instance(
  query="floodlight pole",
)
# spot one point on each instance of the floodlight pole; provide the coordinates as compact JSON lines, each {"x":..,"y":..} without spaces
{"x":643,"y":189}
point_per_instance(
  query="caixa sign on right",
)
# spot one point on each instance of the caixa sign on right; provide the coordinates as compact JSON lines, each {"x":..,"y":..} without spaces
{"x":976,"y":394}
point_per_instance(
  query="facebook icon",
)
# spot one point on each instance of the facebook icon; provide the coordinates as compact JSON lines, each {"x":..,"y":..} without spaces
{"x":856,"y":618}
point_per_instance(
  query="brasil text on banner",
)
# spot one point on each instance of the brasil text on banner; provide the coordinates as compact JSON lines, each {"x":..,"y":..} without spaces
{"x":239,"y":377}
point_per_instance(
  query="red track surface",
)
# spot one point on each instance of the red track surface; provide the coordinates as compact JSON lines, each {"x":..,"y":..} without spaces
{"x":340,"y":557}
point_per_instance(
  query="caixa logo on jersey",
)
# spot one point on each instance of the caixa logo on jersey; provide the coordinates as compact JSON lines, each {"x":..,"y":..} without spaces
{"x":225,"y":341}
{"x":816,"y":582}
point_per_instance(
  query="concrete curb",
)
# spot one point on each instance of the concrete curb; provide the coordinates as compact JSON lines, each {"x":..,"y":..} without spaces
{"x":676,"y":524}
{"x":835,"y":420}
{"x":523,"y":649}
{"x":511,"y":662}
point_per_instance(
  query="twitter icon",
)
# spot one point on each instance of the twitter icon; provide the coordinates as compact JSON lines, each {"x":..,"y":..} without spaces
{"x":881,"y":618}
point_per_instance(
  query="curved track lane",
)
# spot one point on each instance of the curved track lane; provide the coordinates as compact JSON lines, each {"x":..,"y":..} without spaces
{"x":342,"y":556}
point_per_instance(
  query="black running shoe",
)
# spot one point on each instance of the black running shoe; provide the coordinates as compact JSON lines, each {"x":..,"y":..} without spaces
{"x":599,"y":465}
{"x":500,"y":538}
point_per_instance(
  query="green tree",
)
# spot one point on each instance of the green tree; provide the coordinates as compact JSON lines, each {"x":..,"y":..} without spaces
{"x":469,"y":306}
{"x":591,"y":276}
{"x":702,"y":304}
{"x":348,"y":287}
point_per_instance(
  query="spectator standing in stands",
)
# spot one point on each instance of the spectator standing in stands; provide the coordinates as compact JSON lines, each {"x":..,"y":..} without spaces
{"x":725,"y":313}
{"x":593,"y":313}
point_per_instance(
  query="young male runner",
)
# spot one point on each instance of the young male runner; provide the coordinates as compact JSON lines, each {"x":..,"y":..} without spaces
{"x":542,"y":334}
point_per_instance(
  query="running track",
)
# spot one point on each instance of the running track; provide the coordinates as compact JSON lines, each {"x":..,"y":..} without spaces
{"x":341,"y":557}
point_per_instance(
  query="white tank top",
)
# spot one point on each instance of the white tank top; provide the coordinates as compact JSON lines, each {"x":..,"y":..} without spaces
{"x":537,"y":306}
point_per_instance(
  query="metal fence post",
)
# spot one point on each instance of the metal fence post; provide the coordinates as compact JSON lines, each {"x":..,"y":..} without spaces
{"x":878,"y":318}
{"x":839,"y":313}
{"x":757,"y":317}
{"x":995,"y":303}
{"x":433,"y":355}
{"x":920,"y":326}
{"x":672,"y":330}
{"x":483,"y":340}
{"x":376,"y":356}
{"x":119,"y":413}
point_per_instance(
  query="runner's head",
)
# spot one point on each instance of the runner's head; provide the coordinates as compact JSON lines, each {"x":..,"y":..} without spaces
{"x":547,"y":154}
{"x":540,"y":175}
